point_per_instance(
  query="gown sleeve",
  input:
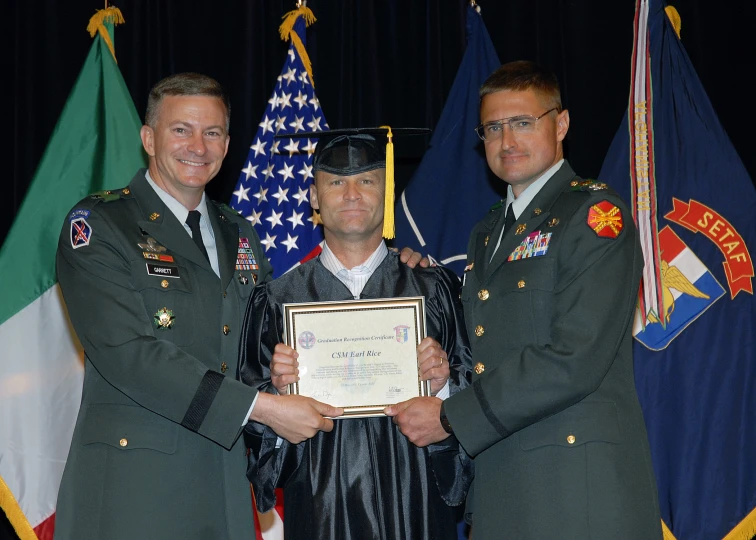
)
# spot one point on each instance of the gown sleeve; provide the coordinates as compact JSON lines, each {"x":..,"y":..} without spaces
{"x":452,"y":467}
{"x":271,"y":460}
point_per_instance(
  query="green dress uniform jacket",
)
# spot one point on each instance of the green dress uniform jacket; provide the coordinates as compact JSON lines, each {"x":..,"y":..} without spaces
{"x":552,"y":418}
{"x":156,"y":452}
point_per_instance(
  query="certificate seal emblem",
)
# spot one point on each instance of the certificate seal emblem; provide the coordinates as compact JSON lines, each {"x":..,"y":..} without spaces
{"x":307,"y":339}
{"x":402,"y":333}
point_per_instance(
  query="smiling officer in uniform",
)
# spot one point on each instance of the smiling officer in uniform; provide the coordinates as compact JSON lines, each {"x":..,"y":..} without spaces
{"x":156,"y":279}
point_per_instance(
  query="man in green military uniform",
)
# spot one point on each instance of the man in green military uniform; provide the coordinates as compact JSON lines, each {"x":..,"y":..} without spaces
{"x":552,"y":418}
{"x":156,"y":279}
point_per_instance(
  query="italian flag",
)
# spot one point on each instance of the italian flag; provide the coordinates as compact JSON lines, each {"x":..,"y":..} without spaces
{"x":95,"y":146}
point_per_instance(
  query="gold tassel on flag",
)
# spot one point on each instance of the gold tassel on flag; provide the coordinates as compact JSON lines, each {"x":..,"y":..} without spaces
{"x":674,"y":18}
{"x":97,"y":24}
{"x":287,"y":33}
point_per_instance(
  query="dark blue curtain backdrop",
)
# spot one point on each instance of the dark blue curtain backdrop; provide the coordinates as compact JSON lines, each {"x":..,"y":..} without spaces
{"x":374,"y":61}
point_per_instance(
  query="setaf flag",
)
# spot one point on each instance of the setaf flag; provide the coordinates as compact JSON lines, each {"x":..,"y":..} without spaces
{"x":695,"y":355}
{"x":453,"y":187}
{"x":273,"y":188}
{"x":95,"y":146}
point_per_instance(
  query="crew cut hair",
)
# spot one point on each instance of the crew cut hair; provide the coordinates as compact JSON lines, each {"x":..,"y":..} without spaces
{"x":524,"y":75}
{"x":185,"y":84}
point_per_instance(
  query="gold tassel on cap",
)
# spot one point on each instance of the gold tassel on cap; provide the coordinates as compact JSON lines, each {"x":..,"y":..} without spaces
{"x":287,"y":33}
{"x":97,"y":24}
{"x":388,"y":209}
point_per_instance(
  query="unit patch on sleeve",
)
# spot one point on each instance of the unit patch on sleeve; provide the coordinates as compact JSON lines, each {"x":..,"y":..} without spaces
{"x":535,"y":244}
{"x":245,"y":257}
{"x":605,"y":219}
{"x":81,"y":231}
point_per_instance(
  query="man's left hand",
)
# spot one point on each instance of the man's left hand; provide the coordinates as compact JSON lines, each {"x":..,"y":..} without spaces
{"x":413,"y":258}
{"x":419,"y":419}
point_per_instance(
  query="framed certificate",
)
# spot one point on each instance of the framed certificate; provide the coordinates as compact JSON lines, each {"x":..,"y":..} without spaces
{"x":358,"y":354}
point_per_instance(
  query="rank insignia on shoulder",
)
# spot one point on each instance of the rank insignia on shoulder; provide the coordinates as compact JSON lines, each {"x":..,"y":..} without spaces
{"x":152,"y":246}
{"x":598,"y":186}
{"x":81,"y":231}
{"x":588,"y":185}
{"x":106,"y":196}
{"x":605,"y":219}
{"x":164,"y":319}
{"x":535,"y":244}
{"x":245,"y":257}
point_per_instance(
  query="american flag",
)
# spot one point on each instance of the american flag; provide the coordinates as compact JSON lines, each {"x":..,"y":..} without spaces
{"x":273,"y":187}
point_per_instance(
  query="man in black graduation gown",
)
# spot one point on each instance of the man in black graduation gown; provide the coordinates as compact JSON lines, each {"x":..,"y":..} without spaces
{"x":365,"y":479}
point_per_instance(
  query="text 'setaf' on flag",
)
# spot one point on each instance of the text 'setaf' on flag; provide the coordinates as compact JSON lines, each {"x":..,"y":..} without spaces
{"x":453,"y":187}
{"x":273,"y":187}
{"x":95,"y":146}
{"x":695,"y":352}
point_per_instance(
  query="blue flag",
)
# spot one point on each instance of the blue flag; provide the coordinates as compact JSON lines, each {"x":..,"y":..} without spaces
{"x":695,"y":351}
{"x":453,"y":187}
{"x":273,"y":191}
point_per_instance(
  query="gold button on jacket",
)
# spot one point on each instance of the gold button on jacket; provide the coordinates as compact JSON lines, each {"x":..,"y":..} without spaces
{"x":483,"y":294}
{"x":226,"y":329}
{"x":570,"y":439}
{"x":123,"y":442}
{"x":479,"y":330}
{"x":479,"y":368}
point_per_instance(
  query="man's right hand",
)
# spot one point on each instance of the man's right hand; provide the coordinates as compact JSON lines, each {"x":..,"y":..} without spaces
{"x":295,"y":418}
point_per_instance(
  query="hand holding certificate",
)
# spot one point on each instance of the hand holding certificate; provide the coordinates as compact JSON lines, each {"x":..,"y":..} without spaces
{"x":359,"y":355}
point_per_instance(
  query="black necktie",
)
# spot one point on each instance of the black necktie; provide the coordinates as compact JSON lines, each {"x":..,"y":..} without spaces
{"x":193,"y":220}
{"x":509,"y":219}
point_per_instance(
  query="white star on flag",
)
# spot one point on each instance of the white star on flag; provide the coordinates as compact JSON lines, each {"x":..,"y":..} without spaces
{"x":269,"y":242}
{"x":254,"y":217}
{"x":286,"y":172}
{"x":274,"y":218}
{"x":301,"y":100}
{"x":259,"y":147}
{"x":276,"y":176}
{"x":295,"y":219}
{"x":241,"y":194}
{"x":266,"y":125}
{"x":281,"y":195}
{"x":290,"y":76}
{"x":292,"y":147}
{"x":301,"y":195}
{"x":306,"y":171}
{"x":290,"y":243}
{"x":250,"y":170}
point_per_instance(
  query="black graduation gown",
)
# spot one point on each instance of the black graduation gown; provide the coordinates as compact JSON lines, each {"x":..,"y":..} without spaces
{"x":364,"y":479}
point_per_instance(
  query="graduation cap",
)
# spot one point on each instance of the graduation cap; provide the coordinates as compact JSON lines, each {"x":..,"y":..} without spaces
{"x":347,"y":152}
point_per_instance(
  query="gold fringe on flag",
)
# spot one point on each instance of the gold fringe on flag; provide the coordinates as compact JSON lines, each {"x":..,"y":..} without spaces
{"x":97,"y":24}
{"x":674,"y":18}
{"x":388,"y":208}
{"x":15,"y":515}
{"x":287,"y":33}
{"x":745,"y":530}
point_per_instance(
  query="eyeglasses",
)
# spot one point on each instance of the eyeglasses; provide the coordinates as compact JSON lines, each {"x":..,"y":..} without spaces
{"x":493,"y":131}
